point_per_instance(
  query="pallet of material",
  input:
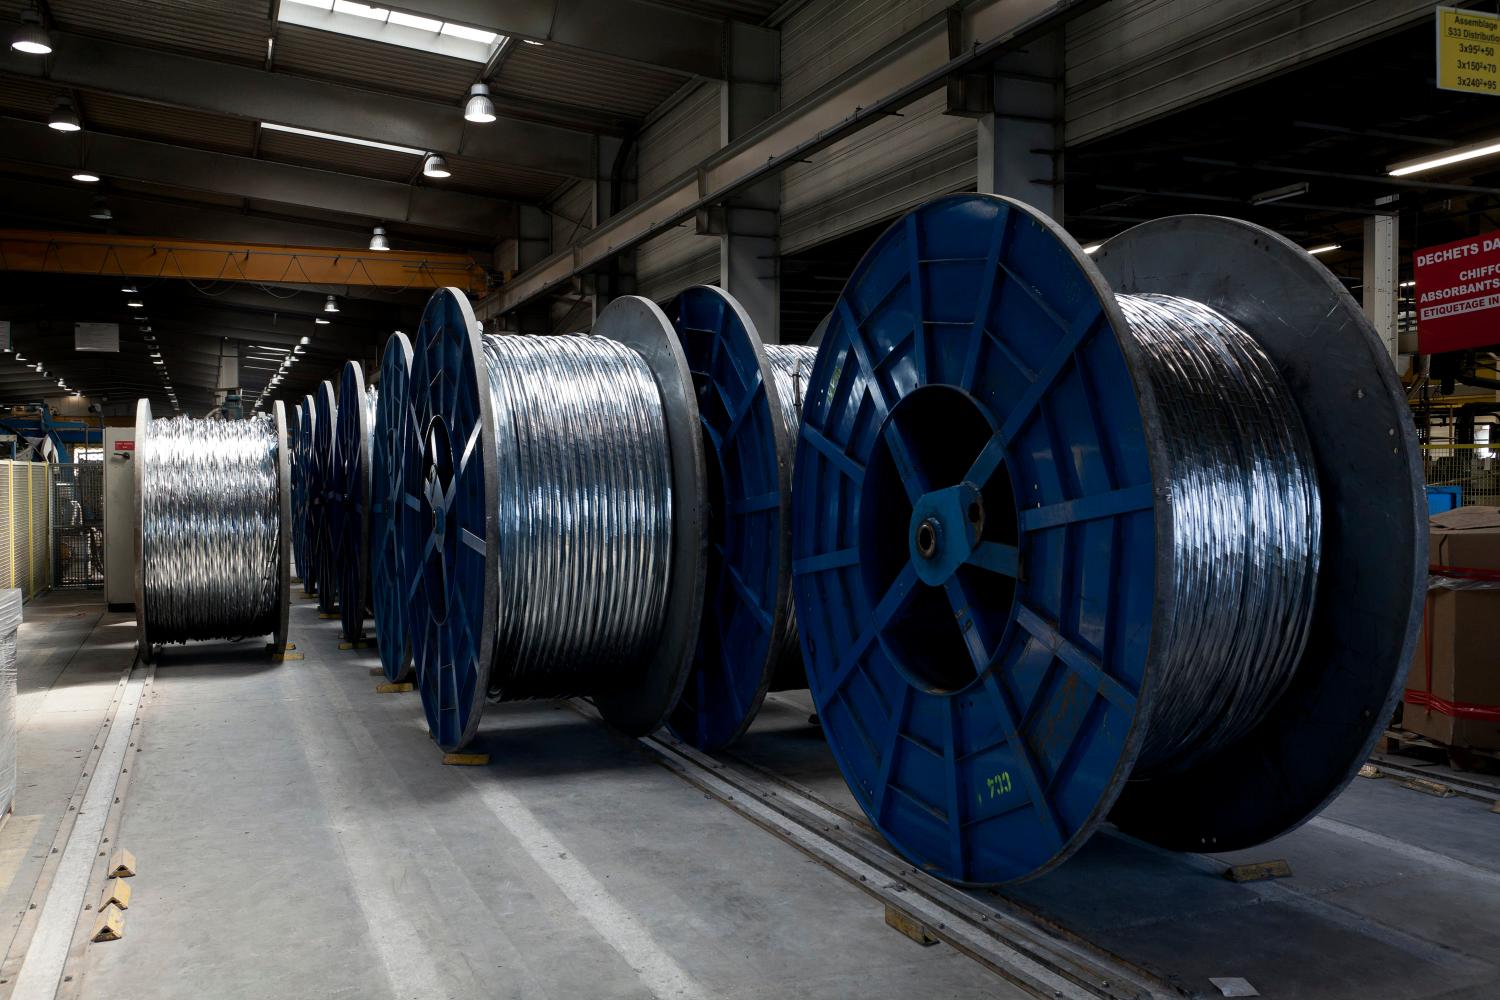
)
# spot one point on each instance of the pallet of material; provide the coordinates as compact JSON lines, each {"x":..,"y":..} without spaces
{"x":1409,"y":744}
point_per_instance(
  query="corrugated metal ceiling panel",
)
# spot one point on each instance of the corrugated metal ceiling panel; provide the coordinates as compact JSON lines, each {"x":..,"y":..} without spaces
{"x":28,"y":98}
{"x":563,"y":75}
{"x":234,"y":31}
{"x":500,"y":180}
{"x":175,"y":193}
{"x":374,"y":65}
{"x":340,"y":156}
{"x":122,"y":115}
{"x":750,"y":11}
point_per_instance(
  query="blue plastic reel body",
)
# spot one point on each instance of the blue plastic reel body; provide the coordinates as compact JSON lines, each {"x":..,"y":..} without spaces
{"x":446,"y":518}
{"x":389,"y":587}
{"x":322,"y":492}
{"x":349,"y":501}
{"x":975,"y":544}
{"x":303,"y":453}
{"x":748,"y":463}
{"x":298,"y":506}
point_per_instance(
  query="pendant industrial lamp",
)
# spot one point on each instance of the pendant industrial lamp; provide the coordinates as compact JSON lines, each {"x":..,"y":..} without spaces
{"x":435,"y":166}
{"x":378,"y":239}
{"x":479,"y":108}
{"x":64,"y":118}
{"x":31,"y":38}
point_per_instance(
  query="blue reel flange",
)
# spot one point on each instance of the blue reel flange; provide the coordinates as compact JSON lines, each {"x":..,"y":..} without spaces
{"x":298,"y":498}
{"x":446,"y":518}
{"x":449,"y":532}
{"x":303,"y":457}
{"x":349,"y":502}
{"x":321,"y":493}
{"x":389,"y":585}
{"x":982,"y":563}
{"x":748,"y":458}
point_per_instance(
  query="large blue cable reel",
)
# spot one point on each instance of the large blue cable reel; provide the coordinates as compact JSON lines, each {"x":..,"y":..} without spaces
{"x":748,"y":458}
{"x":448,"y":521}
{"x":980,"y":554}
{"x":299,"y":502}
{"x":308,"y":562}
{"x":389,"y":583}
{"x":322,"y":492}
{"x":349,"y":502}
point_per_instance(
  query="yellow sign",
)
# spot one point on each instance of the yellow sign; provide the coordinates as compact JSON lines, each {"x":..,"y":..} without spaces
{"x":1468,"y":51}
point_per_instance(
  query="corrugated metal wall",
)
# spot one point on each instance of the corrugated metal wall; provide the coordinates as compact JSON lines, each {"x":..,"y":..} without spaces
{"x":572,"y":212}
{"x":672,"y":144}
{"x":1132,"y":60}
{"x":886,"y":168}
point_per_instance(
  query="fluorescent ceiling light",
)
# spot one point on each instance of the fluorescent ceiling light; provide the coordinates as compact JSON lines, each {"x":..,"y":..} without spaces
{"x":1279,"y":193}
{"x":128,"y":289}
{"x":136,"y":304}
{"x":1408,"y":284}
{"x":1487,"y":148}
{"x":321,"y":321}
{"x":388,"y":27}
{"x":529,"y":41}
{"x":85,"y":177}
{"x":1325,"y":248}
{"x":1092,"y":248}
{"x":332,"y":137}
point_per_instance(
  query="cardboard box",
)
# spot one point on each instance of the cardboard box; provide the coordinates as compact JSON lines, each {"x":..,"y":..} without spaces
{"x":1453,"y":688}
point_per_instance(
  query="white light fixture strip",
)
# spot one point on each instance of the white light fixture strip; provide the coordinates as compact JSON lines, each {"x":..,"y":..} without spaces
{"x":333,"y":137}
{"x":1487,"y":148}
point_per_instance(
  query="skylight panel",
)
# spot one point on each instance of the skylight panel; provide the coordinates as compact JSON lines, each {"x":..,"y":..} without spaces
{"x":380,"y":24}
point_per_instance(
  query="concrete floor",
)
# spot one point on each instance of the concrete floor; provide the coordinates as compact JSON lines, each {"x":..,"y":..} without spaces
{"x":297,"y":836}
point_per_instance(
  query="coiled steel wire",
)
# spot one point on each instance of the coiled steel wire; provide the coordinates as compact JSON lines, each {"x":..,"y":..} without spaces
{"x":791,"y":364}
{"x":1246,"y":529}
{"x":585,"y":518}
{"x":210,"y":528}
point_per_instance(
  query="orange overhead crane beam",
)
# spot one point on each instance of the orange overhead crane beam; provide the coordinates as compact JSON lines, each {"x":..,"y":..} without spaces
{"x":149,"y":257}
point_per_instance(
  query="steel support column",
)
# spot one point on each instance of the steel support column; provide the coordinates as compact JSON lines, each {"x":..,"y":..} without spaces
{"x":1381,"y":275}
{"x":1021,"y":136}
{"x":748,"y":243}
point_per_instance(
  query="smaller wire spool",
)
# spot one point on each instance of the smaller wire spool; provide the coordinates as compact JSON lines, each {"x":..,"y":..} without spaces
{"x":322,"y":494}
{"x":390,"y":588}
{"x":537,"y":412}
{"x":212,"y":528}
{"x":349,"y":501}
{"x":305,"y":435}
{"x":994,"y":522}
{"x":792,"y":365}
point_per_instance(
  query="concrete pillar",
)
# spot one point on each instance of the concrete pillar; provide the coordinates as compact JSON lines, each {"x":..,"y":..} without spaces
{"x":614,"y":188}
{"x":1021,"y":134}
{"x":750,"y":225}
{"x":1382,"y":272}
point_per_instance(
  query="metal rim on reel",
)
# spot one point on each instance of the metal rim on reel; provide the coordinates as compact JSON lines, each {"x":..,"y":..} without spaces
{"x":284,"y":475}
{"x":447,"y":519}
{"x":640,"y":704}
{"x":389,"y":587}
{"x":142,"y":428}
{"x":299,"y":503}
{"x":304,"y":518}
{"x":748,"y":464}
{"x":1351,"y":672}
{"x":983,"y":555}
{"x":349,"y":511}
{"x":322,"y":496}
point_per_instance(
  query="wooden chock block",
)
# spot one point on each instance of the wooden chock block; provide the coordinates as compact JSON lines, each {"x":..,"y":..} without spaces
{"x":1429,"y":787}
{"x":116,"y":892}
{"x":1370,"y":771}
{"x":283,"y":657}
{"x":122,"y":864}
{"x":466,"y":759}
{"x":910,"y":926}
{"x":393,"y":688}
{"x":357,"y":644}
{"x":110,"y":926}
{"x":1258,"y":871}
{"x":328,"y":615}
{"x":1496,"y":807}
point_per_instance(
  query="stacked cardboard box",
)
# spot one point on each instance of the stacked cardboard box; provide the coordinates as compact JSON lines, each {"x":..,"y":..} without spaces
{"x":1453,"y":688}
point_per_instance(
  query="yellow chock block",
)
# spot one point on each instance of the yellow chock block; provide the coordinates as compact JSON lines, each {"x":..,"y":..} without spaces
{"x":910,"y":926}
{"x":272,"y":647}
{"x":393,"y":688}
{"x":122,"y":864}
{"x":466,"y":759}
{"x":1429,"y":787}
{"x":110,"y":926}
{"x":1258,"y":871}
{"x":116,"y":892}
{"x":359,"y":644}
{"x":283,"y":657}
{"x":328,"y":615}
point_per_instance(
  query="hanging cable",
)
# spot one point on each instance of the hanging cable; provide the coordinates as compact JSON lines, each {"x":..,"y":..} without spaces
{"x":791,"y":364}
{"x":210,"y":528}
{"x":585,"y":512}
{"x":1246,"y":531}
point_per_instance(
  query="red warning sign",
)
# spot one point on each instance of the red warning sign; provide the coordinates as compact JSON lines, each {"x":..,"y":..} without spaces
{"x":1458,"y":295}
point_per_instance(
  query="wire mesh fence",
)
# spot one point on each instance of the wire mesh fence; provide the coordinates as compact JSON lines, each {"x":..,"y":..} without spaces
{"x":1471,"y":471}
{"x":78,"y":525}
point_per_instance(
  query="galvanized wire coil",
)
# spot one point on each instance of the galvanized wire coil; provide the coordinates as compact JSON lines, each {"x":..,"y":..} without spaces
{"x":791,"y":364}
{"x":1246,"y":529}
{"x":210,"y":528}
{"x":585,"y":513}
